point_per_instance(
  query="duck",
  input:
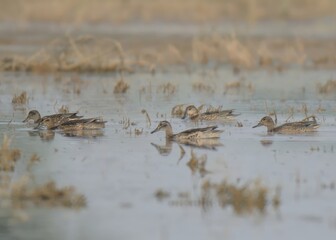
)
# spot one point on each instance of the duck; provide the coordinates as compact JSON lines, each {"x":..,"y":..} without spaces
{"x":303,"y":126}
{"x":190,"y":134}
{"x":75,"y":124}
{"x":194,"y":114}
{"x":54,"y":119}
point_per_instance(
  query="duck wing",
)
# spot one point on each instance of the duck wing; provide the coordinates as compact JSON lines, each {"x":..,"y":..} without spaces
{"x":193,"y":130}
{"x":222,"y":113}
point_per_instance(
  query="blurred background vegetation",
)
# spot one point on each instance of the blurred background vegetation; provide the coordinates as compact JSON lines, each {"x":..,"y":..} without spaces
{"x":121,"y":11}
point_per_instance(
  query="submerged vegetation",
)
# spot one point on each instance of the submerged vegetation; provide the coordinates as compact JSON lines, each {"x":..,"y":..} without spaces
{"x":21,"y":193}
{"x":250,"y":198}
{"x":121,"y":86}
{"x":8,"y":156}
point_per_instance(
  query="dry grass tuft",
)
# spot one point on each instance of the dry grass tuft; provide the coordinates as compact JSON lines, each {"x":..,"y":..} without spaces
{"x":89,"y":54}
{"x":20,"y":99}
{"x":167,"y":89}
{"x":328,"y":87}
{"x":126,"y":123}
{"x":82,"y":54}
{"x":236,"y":86}
{"x":202,"y":87}
{"x":63,"y":109}
{"x":238,"y":53}
{"x":161,"y":194}
{"x":8,"y":157}
{"x":46,"y":195}
{"x":121,"y":87}
{"x":222,"y":49}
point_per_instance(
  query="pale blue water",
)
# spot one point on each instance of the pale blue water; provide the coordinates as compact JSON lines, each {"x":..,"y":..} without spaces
{"x":120,"y":172}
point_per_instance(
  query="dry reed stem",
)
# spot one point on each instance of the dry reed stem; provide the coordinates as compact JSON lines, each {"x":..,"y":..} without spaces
{"x":20,"y":99}
{"x":202,"y":87}
{"x":121,"y":86}
{"x":85,"y":54}
{"x":148,"y":120}
{"x":327,"y":88}
{"x":63,"y":109}
{"x":167,"y":89}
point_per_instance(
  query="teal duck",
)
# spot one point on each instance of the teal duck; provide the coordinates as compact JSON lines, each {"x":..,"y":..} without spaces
{"x":194,"y":114}
{"x":303,"y":126}
{"x":54,"y":120}
{"x":75,"y":124}
{"x":191,"y":134}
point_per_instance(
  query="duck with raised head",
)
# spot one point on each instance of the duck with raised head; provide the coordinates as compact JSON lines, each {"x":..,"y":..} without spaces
{"x":303,"y":126}
{"x":54,"y":120}
{"x":194,"y":114}
{"x":195,"y":133}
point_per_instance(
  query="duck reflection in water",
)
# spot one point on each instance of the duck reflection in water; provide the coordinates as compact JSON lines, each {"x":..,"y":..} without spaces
{"x":84,"y":133}
{"x":206,"y":138}
{"x":45,"y":135}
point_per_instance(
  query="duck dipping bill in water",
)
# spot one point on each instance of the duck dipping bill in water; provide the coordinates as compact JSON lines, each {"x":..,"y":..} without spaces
{"x":76,"y":124}
{"x":195,"y":133}
{"x":303,"y":126}
{"x":194,"y":114}
{"x":55,"y":119}
{"x":178,"y":110}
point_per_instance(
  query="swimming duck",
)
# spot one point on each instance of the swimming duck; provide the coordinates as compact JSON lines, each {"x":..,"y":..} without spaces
{"x":194,"y":114}
{"x":195,"y":133}
{"x":303,"y":126}
{"x":54,"y":119}
{"x":75,"y":124}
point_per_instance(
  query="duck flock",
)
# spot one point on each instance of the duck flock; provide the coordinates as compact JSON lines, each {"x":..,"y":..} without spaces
{"x":68,"y":122}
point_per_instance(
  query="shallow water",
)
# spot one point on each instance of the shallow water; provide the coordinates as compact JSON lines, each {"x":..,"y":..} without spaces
{"x":120,"y":172}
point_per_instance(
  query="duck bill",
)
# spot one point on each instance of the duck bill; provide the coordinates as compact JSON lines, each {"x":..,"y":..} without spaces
{"x":184,"y":115}
{"x":26,"y":120}
{"x":258,"y":125}
{"x":155,"y":130}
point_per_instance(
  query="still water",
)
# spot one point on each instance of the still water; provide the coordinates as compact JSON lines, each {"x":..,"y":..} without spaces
{"x":119,"y":172}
